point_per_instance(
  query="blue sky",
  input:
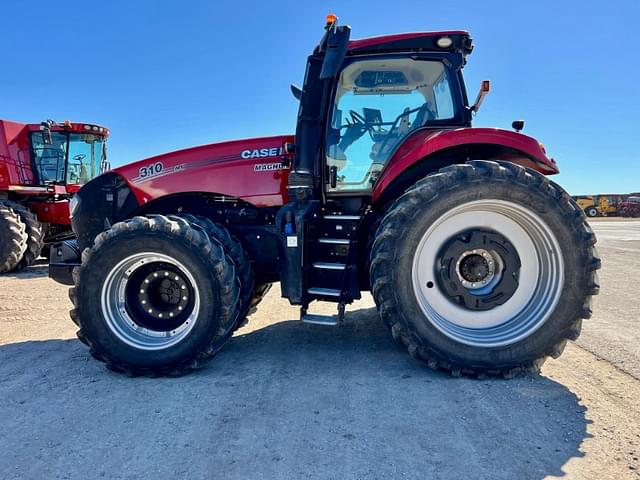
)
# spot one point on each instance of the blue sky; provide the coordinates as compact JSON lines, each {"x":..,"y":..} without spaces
{"x":166,"y":75}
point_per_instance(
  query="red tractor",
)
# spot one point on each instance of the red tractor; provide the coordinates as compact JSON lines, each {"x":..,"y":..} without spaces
{"x":41,"y":167}
{"x":478,"y":263}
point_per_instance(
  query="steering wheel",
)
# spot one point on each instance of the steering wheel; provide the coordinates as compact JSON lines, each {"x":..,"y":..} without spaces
{"x":358,"y":119}
{"x":79,"y":157}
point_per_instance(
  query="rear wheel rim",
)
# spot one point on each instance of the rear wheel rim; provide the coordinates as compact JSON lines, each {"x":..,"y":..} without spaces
{"x":150,"y":301}
{"x":540,"y":277}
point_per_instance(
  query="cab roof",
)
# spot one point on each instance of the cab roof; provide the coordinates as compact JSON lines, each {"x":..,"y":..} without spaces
{"x":415,"y":41}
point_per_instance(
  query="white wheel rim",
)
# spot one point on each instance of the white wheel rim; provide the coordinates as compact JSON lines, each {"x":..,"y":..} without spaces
{"x":541,"y":275}
{"x":118,"y":318}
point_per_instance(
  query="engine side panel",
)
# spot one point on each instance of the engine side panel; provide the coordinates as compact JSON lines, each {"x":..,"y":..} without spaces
{"x":251,"y":170}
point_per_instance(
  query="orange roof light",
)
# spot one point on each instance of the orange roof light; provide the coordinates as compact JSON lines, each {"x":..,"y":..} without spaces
{"x":331,"y":19}
{"x":67,"y":124}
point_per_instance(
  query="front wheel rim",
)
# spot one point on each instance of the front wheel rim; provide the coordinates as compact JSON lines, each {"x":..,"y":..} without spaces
{"x":153,"y":319}
{"x":540,"y":275}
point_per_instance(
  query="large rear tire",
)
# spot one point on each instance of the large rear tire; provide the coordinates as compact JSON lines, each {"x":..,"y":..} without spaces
{"x":35,"y":235}
{"x":13,"y":238}
{"x":154,"y":296}
{"x":493,"y":276}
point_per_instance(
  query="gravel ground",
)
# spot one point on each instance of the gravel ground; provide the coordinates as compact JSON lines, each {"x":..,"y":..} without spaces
{"x":289,"y":400}
{"x":614,"y":333}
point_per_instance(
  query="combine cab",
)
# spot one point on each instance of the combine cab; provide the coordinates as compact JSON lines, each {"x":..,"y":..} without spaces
{"x":41,"y":167}
{"x":478,"y":263}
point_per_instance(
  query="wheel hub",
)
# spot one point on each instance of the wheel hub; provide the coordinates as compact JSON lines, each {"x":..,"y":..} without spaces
{"x":478,"y":269}
{"x":475,"y":268}
{"x":158,"y":296}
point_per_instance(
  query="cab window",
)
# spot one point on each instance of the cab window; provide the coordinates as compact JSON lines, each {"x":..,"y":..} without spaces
{"x":49,"y":158}
{"x":378,"y":103}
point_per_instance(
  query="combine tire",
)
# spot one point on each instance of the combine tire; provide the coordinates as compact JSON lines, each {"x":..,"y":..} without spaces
{"x":238,"y":257}
{"x":154,"y":296}
{"x":494,"y":276}
{"x":35,"y":235}
{"x":13,"y":238}
{"x":591,"y":212}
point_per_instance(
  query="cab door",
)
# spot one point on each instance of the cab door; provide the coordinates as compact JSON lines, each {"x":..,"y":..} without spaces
{"x":377,"y":104}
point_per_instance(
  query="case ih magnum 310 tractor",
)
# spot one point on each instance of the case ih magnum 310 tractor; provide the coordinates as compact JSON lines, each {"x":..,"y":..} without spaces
{"x":477,"y":262}
{"x":41,"y":166}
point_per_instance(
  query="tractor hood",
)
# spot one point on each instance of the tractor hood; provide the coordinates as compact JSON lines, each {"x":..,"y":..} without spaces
{"x":253,"y":170}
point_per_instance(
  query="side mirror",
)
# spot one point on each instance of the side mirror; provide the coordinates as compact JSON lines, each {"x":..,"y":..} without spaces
{"x":297,"y":91}
{"x":46,"y":133}
{"x":485,"y":88}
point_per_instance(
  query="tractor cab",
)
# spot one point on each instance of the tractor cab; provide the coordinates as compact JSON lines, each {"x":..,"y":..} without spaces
{"x":360,"y":103}
{"x":67,"y":154}
{"x":361,"y":100}
{"x":377,"y":103}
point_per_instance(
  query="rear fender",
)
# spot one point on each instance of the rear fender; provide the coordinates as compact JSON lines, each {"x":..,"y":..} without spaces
{"x":425,"y":152}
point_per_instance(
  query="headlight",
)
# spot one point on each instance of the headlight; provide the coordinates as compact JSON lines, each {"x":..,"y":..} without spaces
{"x":74,"y":203}
{"x":444,"y":42}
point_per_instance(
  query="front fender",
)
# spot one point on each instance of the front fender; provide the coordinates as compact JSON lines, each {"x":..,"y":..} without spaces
{"x":102,"y":202}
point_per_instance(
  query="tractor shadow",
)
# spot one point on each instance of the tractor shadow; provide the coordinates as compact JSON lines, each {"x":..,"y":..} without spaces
{"x":39,"y":269}
{"x":285,"y":400}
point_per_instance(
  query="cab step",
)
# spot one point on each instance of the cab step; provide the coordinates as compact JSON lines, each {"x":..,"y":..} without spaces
{"x":328,"y":320}
{"x":324,"y":292}
{"x":342,"y":217}
{"x":334,"y":241}
{"x":329,"y":266}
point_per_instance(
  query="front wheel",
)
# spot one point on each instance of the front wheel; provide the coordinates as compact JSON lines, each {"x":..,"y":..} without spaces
{"x":492,"y":276}
{"x":13,"y":238}
{"x":155,"y":296}
{"x":591,"y":212}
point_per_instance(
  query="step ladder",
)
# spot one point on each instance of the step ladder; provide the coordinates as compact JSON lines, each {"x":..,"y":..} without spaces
{"x":330,"y":266}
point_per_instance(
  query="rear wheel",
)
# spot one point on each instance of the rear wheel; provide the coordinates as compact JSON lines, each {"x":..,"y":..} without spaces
{"x":501,"y":269}
{"x":154,"y":296}
{"x":35,"y":235}
{"x":13,"y":238}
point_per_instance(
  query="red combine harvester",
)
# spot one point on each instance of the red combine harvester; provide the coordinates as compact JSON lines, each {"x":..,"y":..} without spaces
{"x":478,"y":263}
{"x":41,"y":167}
{"x":630,"y":207}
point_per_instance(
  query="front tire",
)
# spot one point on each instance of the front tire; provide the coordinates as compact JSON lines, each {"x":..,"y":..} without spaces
{"x":493,"y":276}
{"x":35,"y":235}
{"x":237,"y":255}
{"x":13,"y":238}
{"x":154,"y":296}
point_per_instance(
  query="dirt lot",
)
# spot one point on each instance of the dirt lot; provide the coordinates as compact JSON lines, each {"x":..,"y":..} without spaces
{"x":289,"y":400}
